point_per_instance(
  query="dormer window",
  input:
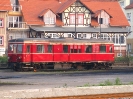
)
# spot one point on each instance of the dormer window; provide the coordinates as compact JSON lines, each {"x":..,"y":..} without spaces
{"x":49,"y":17}
{"x":104,"y":21}
{"x":49,"y":20}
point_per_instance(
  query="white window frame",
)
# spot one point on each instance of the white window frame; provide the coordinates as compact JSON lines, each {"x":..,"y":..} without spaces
{"x":15,"y":20}
{"x":79,"y":18}
{"x":129,"y":16}
{"x":49,"y":20}
{"x":122,"y":4}
{"x":84,"y":35}
{"x":70,"y":35}
{"x":1,"y":40}
{"x":129,"y":47}
{"x":72,"y":18}
{"x":1,"y":22}
{"x":55,"y":35}
{"x":94,"y":35}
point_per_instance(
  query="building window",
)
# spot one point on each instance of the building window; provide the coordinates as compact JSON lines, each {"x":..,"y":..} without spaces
{"x":94,"y":35}
{"x":49,"y":20}
{"x":15,"y":21}
{"x":121,"y":40}
{"x":119,"y":54}
{"x":129,"y":47}
{"x":72,"y":18}
{"x":55,"y":35}
{"x":1,"y":23}
{"x":104,"y":21}
{"x":79,"y":35}
{"x":79,"y":19}
{"x":129,"y":16}
{"x":1,"y":40}
{"x":70,"y":35}
{"x":84,"y":35}
{"x":122,"y":4}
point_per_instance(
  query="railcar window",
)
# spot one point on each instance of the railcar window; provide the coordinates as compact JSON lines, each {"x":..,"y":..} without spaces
{"x":28,"y":49}
{"x":40,"y":49}
{"x":19,"y":48}
{"x":110,"y":49}
{"x":50,"y":48}
{"x":75,"y":50}
{"x":65,"y":48}
{"x":71,"y":51}
{"x":10,"y":47}
{"x":14,"y":48}
{"x":88,"y":49}
{"x":102,"y":48}
{"x":79,"y":50}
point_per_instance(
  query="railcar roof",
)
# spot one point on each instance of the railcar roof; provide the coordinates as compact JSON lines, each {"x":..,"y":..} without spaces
{"x":60,"y":40}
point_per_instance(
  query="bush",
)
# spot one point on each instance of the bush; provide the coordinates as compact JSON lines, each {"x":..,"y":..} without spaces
{"x":124,"y":59}
{"x":3,"y":59}
{"x":121,"y":59}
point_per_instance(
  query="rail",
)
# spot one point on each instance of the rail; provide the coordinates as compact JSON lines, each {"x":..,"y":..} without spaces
{"x":100,"y":96}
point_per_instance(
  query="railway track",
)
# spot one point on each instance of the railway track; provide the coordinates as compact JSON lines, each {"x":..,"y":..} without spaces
{"x":100,"y":96}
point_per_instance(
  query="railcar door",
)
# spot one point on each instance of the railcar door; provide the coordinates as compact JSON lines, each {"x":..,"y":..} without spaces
{"x":65,"y":54}
{"x":57,"y":52}
{"x":95,"y":52}
{"x":27,"y":53}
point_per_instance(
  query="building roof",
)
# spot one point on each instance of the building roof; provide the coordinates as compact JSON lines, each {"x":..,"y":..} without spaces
{"x":80,"y":29}
{"x":35,"y":7}
{"x":129,"y":6}
{"x":5,"y":5}
{"x":61,"y":40}
{"x":112,"y":7}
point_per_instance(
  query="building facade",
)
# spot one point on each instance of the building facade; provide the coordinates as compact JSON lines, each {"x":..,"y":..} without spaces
{"x":69,"y":18}
{"x":4,"y":8}
{"x":129,"y":13}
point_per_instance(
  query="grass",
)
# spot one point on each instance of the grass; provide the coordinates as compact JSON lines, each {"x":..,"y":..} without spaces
{"x":107,"y":83}
{"x":11,"y":83}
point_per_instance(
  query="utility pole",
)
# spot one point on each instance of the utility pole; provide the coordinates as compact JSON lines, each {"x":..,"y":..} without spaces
{"x":75,"y":21}
{"x":120,"y":44}
{"x":100,"y":22}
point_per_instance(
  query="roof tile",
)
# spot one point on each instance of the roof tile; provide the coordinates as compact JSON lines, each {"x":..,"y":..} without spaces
{"x":31,"y":9}
{"x":5,"y":5}
{"x":112,"y":8}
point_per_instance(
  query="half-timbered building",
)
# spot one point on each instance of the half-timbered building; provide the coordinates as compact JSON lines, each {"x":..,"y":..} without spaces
{"x":70,"y":18}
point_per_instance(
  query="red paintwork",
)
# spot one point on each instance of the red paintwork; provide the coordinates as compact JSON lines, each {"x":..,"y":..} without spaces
{"x":59,"y":56}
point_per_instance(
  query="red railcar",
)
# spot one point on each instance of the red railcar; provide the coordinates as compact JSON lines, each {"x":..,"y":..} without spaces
{"x":64,"y":53}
